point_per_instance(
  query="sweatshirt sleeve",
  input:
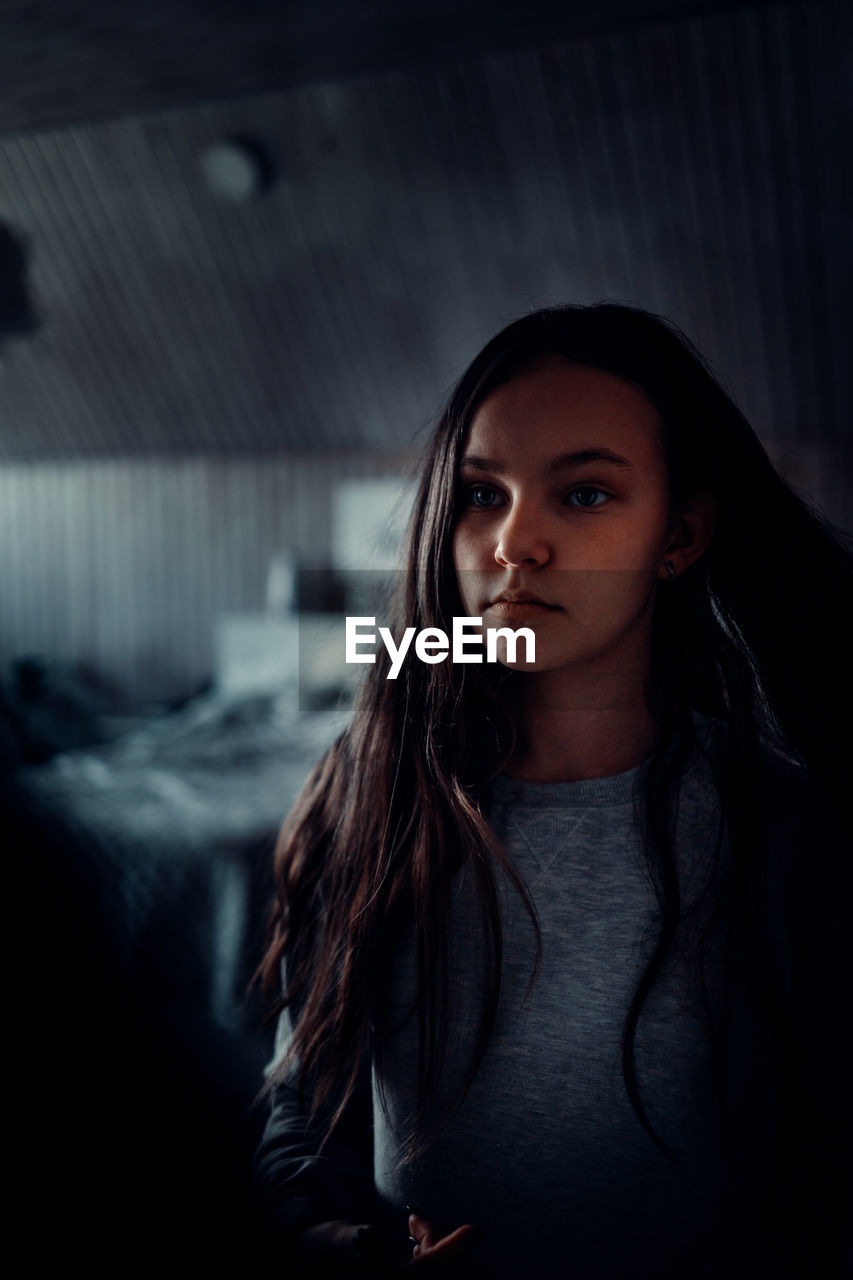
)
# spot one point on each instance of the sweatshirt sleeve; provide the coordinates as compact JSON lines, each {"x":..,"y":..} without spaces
{"x":299,"y":1183}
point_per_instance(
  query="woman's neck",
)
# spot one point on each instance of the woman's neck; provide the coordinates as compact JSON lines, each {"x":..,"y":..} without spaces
{"x":567,"y":734}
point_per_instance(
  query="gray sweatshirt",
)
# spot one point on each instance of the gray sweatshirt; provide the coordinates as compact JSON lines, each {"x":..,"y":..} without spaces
{"x":546,"y":1155}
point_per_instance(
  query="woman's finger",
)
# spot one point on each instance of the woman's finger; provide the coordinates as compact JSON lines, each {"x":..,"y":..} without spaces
{"x":423,"y":1231}
{"x":442,"y":1252}
{"x":456,"y":1243}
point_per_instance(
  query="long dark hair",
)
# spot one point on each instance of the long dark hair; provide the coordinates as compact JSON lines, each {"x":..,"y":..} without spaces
{"x":756,"y":634}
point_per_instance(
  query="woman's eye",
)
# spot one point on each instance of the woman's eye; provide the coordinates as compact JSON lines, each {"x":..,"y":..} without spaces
{"x":587,"y":495}
{"x":483,"y":495}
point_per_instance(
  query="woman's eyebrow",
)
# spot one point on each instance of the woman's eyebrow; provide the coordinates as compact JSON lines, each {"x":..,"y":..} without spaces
{"x":475,"y":462}
{"x":581,"y":456}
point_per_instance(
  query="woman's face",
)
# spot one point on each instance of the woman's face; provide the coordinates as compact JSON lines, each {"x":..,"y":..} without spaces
{"x":564,"y":518}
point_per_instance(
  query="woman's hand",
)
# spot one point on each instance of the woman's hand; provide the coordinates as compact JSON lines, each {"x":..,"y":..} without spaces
{"x":346,"y":1251}
{"x":337,"y":1250}
{"x":442,"y":1254}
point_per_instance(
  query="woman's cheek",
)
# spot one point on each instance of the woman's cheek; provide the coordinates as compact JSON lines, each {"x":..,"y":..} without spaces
{"x":467,"y":550}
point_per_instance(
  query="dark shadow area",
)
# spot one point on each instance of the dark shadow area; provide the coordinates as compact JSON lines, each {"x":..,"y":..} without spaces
{"x":17,"y":313}
{"x":137,"y":1133}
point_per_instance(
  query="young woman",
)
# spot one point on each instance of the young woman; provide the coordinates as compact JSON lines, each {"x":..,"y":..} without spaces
{"x":565,"y":978}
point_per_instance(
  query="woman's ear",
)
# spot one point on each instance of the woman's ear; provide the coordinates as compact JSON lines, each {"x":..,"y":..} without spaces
{"x":690,"y":533}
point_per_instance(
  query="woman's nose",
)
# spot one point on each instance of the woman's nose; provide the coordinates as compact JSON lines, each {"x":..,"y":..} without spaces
{"x":521,"y":540}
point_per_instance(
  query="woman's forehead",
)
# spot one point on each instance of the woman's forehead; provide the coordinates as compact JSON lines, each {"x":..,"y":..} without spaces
{"x":559,"y":408}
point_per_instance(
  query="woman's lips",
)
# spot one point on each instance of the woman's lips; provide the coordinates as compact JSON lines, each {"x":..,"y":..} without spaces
{"x":517,"y":609}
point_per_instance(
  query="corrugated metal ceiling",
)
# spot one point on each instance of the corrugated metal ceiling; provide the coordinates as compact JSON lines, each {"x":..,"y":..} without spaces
{"x":67,"y":61}
{"x":696,"y":167}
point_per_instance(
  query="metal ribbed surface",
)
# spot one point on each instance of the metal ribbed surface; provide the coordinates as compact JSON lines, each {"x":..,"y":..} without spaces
{"x":695,"y":167}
